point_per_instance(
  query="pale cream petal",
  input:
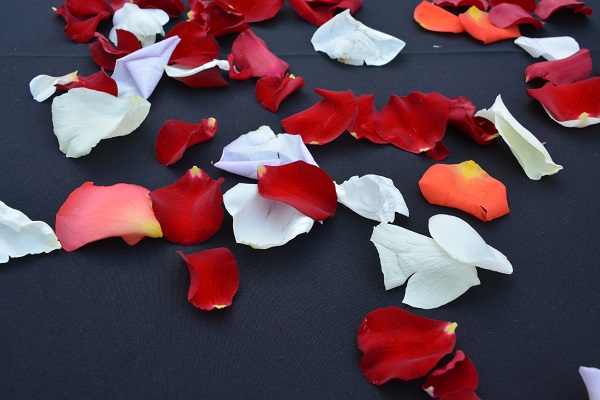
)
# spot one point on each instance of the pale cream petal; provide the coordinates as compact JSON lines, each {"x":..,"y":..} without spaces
{"x":183,"y":71}
{"x":144,"y":23}
{"x":42,"y":86}
{"x":581,"y":122}
{"x":551,"y":48}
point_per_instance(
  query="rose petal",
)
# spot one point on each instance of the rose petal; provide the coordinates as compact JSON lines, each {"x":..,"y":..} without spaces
{"x":551,"y":48}
{"x":325,"y":120}
{"x":214,"y":278}
{"x":106,"y":55}
{"x":303,"y":186}
{"x":20,"y":236}
{"x":575,"y":105}
{"x":42,"y":86}
{"x":218,"y":16}
{"x":262,"y":147}
{"x":92,"y":213}
{"x":190,"y":210}
{"x":250,"y":57}
{"x":349,"y":41}
{"x":591,"y":378}
{"x":272,"y":90}
{"x":504,"y":15}
{"x":481,"y":4}
{"x":82,"y":18}
{"x":319,"y":12}
{"x":400,"y":345}
{"x":176,"y":136}
{"x":172,"y":7}
{"x":145,"y":24}
{"x":527,"y":5}
{"x":545,"y":8}
{"x":197,"y":47}
{"x":82,"y":117}
{"x":462,"y":117}
{"x":363,"y":126}
{"x":477,"y":23}
{"x":262,"y":223}
{"x":459,"y":375}
{"x":465,"y":186}
{"x":207,"y":75}
{"x":99,"y":81}
{"x":530,"y":153}
{"x":561,"y":72}
{"x":256,"y":10}
{"x":372,"y":196}
{"x":435,"y":18}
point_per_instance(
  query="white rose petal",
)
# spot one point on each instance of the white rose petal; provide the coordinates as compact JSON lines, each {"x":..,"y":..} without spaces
{"x":42,"y":86}
{"x":144,"y":23}
{"x":591,"y":378}
{"x":551,"y":48}
{"x":183,"y":71}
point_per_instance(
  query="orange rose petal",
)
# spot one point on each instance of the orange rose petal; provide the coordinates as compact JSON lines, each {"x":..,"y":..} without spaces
{"x":435,"y":18}
{"x":478,"y":24}
{"x":465,"y":186}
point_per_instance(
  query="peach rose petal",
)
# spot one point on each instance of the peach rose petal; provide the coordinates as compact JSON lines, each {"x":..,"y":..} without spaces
{"x":478,"y":24}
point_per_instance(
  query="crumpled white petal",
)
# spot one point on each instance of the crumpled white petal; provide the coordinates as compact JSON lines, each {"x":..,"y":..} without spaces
{"x":349,"y":41}
{"x":82,"y":117}
{"x":372,"y":196}
{"x":20,"y":236}
{"x":138,"y":73}
{"x":263,"y":223}
{"x":531,"y":154}
{"x":551,"y":48}
{"x":183,"y":71}
{"x":262,"y":147}
{"x":144,"y":23}
{"x":591,"y":378}
{"x":42,"y":86}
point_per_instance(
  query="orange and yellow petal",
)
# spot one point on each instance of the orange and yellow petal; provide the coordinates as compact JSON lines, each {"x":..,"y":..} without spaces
{"x":478,"y":24}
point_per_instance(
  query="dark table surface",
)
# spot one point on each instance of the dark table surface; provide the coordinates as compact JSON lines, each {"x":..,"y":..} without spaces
{"x":113,"y":321}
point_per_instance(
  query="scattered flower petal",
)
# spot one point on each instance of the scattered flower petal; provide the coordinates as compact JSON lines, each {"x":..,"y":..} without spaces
{"x":481,"y":4}
{"x":397,"y":344}
{"x":172,"y":7}
{"x":250,"y":57}
{"x":256,"y":10}
{"x":262,"y":147}
{"x":303,"y":186}
{"x":197,"y":47}
{"x":92,"y":213}
{"x":20,"y":236}
{"x":82,"y":18}
{"x":272,"y":90}
{"x":262,"y":223}
{"x":462,"y":117}
{"x":363,"y":126}
{"x":465,"y":186}
{"x":504,"y":15}
{"x":575,"y":105}
{"x":206,"y":75}
{"x":42,"y":86}
{"x":459,"y":375}
{"x":561,"y":72}
{"x":551,"y":48}
{"x":106,"y":55}
{"x":176,"y":136}
{"x":144,"y":23}
{"x":220,"y":18}
{"x":530,"y":153}
{"x":82,"y":117}
{"x":372,"y":196}
{"x":545,"y":8}
{"x":214,"y":278}
{"x":351,"y":42}
{"x":591,"y":378}
{"x":477,"y":23}
{"x":99,"y":81}
{"x":527,"y":5}
{"x":435,"y":18}
{"x":319,"y":12}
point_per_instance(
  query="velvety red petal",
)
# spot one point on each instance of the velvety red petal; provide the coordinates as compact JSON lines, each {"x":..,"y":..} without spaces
{"x":190,"y":211}
{"x":210,"y":77}
{"x":572,"y":101}
{"x":414,"y":123}
{"x":118,"y":4}
{"x":400,"y":345}
{"x":545,"y":8}
{"x":250,"y":57}
{"x":363,"y":126}
{"x":505,"y":14}
{"x":176,"y":136}
{"x":481,"y":4}
{"x":171,"y":7}
{"x":324,"y":121}
{"x":256,"y":10}
{"x":197,"y":47}
{"x":106,"y":55}
{"x":457,"y":376}
{"x":221,"y":18}
{"x":479,"y":129}
{"x":477,"y":23}
{"x":214,"y":278}
{"x":560,"y":72}
{"x":99,"y":81}
{"x":88,"y":7}
{"x":318,"y":12}
{"x":527,"y":5}
{"x":303,"y":186}
{"x":272,"y":90}
{"x":439,"y":152}
{"x":92,"y":213}
{"x":435,"y":18}
{"x":81,"y":27}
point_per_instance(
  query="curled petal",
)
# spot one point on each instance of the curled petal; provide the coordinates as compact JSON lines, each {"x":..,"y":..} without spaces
{"x":99,"y":81}
{"x":176,"y":136}
{"x":551,"y":48}
{"x":397,"y":344}
{"x":506,"y":14}
{"x":324,"y":121}
{"x":591,"y":378}
{"x":106,"y":55}
{"x":20,"y":236}
{"x":434,"y":18}
{"x":481,"y":4}
{"x":262,"y":147}
{"x":139,"y":72}
{"x":303,"y":186}
{"x":206,"y":75}
{"x":561,"y":72}
{"x":222,"y":18}
{"x":82,"y":18}
{"x":319,"y":12}
{"x":214,"y":278}
{"x":545,"y":8}
{"x":575,"y":105}
{"x":145,"y":24}
{"x":363,"y":126}
{"x":351,"y":42}
{"x":262,"y":223}
{"x":42,"y":86}
{"x":459,"y":375}
{"x":172,"y":7}
{"x":465,"y":186}
{"x":256,"y":10}
{"x":462,"y":117}
{"x":272,"y":90}
{"x":527,"y":5}
{"x":82,"y":117}
{"x":250,"y":57}
{"x":529,"y":152}
{"x":197,"y":47}
{"x":477,"y":23}
{"x":190,"y":210}
{"x":372,"y":196}
{"x":92,"y":213}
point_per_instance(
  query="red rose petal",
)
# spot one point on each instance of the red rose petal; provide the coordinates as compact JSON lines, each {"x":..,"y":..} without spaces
{"x":209,"y":77}
{"x":400,"y":345}
{"x":560,"y":72}
{"x":545,"y":8}
{"x":171,"y":7}
{"x":477,"y":23}
{"x":318,"y":12}
{"x":303,"y":186}
{"x":414,"y":123}
{"x":82,"y":18}
{"x":272,"y":90}
{"x":176,"y":136}
{"x":324,"y":121}
{"x":435,"y":18}
{"x":572,"y":101}
{"x":99,"y":81}
{"x":527,"y":5}
{"x":505,"y":14}
{"x":479,"y":129}
{"x":363,"y":126}
{"x":214,"y":278}
{"x":457,"y":376}
{"x":221,"y":18}
{"x":256,"y":10}
{"x":190,"y":211}
{"x":106,"y":55}
{"x":439,"y":152}
{"x":197,"y":47}
{"x":250,"y":57}
{"x":481,"y":4}
{"x":92,"y":213}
